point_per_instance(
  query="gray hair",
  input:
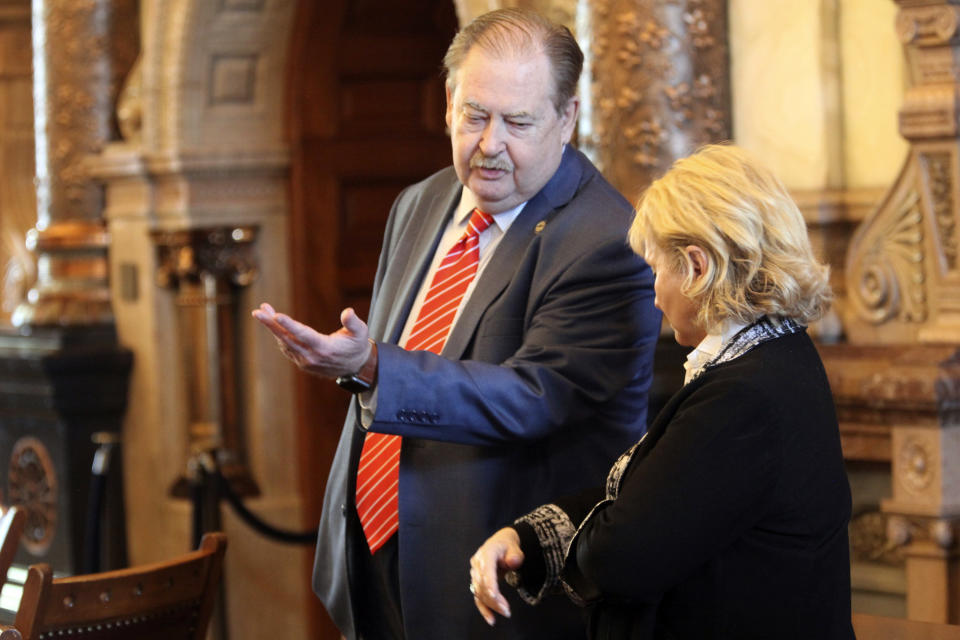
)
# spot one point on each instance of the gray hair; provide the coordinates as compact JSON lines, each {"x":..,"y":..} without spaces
{"x":511,"y":30}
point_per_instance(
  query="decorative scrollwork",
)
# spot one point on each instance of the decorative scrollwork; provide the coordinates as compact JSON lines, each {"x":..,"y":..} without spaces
{"x":33,"y":486}
{"x":889,"y":281}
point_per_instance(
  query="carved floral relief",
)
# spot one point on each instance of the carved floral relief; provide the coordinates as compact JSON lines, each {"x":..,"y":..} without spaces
{"x":659,"y":85}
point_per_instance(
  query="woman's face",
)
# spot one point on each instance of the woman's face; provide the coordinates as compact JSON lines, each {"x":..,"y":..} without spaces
{"x":679,"y":310}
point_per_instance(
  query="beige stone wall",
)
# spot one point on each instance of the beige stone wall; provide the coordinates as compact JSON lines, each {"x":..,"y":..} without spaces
{"x":816,"y":96}
{"x":209,"y":151}
{"x":874,"y":80}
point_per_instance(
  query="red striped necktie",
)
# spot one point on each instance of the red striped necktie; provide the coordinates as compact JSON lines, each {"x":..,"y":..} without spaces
{"x":378,"y":473}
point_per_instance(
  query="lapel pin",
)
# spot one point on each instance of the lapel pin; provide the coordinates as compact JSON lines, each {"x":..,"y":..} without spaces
{"x":539,"y":227}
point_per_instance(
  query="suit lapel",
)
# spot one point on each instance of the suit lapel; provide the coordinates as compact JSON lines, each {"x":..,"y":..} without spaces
{"x":415,"y":249}
{"x":558,"y":191}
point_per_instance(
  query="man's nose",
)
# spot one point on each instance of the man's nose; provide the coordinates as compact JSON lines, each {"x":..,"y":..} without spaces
{"x":492,"y":142}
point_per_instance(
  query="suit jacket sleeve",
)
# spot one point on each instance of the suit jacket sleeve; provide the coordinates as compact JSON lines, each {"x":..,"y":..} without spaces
{"x":587,"y":333}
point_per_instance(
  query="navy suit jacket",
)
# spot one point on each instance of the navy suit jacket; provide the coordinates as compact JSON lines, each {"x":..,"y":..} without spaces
{"x":541,"y":384}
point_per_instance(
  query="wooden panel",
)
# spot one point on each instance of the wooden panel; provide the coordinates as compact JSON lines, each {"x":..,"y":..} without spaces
{"x":366,"y":119}
{"x":878,"y":628}
{"x":388,"y":106}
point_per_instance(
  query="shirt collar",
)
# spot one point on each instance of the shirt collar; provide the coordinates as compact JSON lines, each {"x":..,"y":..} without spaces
{"x":709,"y":348}
{"x":468,"y":202}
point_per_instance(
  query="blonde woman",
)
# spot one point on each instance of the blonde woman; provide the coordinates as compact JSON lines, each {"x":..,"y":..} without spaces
{"x":729,"y":518}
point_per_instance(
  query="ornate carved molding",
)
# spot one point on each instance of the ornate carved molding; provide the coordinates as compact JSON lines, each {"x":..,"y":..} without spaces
{"x":887,"y":281}
{"x":901,"y":269}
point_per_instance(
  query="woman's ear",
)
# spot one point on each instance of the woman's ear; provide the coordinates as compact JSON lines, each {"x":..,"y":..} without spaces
{"x":698,"y":258}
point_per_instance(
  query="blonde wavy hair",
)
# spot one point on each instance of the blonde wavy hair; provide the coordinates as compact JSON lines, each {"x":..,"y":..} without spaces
{"x":759,"y":259}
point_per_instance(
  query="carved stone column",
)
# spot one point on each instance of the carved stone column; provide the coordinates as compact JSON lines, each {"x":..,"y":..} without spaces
{"x":72,"y":112}
{"x":62,"y":375}
{"x":207,"y":268}
{"x":655,"y":86}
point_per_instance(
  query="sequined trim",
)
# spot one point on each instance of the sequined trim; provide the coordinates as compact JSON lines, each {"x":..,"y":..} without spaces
{"x":554,"y":531}
{"x":618,"y":469}
{"x":763,"y":330}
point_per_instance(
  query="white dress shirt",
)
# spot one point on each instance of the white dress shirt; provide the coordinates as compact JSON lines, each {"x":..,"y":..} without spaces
{"x":709,"y":348}
{"x":489,"y":239}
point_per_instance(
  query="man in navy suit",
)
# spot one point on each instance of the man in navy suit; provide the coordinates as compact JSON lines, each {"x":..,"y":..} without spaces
{"x":536,"y":386}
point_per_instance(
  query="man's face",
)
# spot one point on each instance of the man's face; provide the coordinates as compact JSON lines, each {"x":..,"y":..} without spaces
{"x":506,"y":134}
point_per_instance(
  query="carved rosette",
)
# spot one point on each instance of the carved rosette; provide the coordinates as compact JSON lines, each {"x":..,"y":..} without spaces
{"x":32,"y":481}
{"x":916,"y":466}
{"x":658,"y":78}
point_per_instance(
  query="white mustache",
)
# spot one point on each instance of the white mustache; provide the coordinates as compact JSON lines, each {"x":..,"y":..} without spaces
{"x":479,"y":161}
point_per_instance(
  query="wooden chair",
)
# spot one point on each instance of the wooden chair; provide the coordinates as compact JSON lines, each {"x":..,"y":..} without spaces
{"x":11,"y":528}
{"x":169,"y":600}
{"x":869,"y":627}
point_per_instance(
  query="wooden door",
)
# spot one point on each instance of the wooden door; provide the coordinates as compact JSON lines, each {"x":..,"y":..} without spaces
{"x":366,"y":119}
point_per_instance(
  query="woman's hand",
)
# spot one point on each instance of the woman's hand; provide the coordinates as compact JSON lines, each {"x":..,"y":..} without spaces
{"x":499,"y":554}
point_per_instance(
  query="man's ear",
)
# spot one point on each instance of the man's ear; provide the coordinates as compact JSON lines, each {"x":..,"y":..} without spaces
{"x":449,"y":115}
{"x":698,"y":259}
{"x":569,"y":117}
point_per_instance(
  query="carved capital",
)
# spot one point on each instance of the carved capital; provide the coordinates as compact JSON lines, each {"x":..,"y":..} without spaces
{"x":226,"y":253}
{"x":926,"y":26}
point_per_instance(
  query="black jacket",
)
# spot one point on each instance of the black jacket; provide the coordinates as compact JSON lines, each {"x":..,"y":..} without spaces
{"x":730,"y":520}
